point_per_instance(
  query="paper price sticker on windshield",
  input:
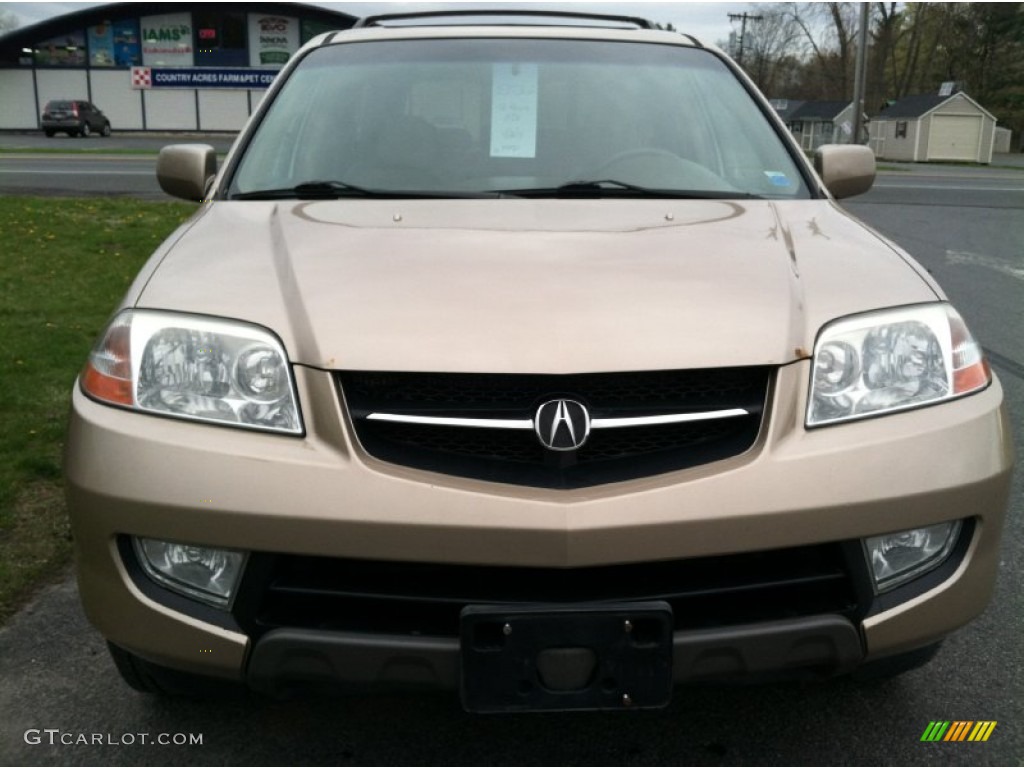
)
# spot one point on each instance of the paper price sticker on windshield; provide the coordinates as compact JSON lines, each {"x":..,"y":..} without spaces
{"x":514,"y":110}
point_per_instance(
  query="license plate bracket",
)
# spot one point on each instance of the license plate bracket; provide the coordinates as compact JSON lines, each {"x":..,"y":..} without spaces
{"x":556,"y":658}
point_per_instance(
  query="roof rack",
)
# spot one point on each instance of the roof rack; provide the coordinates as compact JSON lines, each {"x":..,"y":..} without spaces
{"x":382,"y":19}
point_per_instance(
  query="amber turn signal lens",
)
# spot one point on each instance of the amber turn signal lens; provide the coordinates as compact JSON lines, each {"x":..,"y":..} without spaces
{"x":108,"y":373}
{"x":971,"y":378}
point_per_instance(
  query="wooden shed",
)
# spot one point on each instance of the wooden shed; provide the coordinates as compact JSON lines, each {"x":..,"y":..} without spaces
{"x":931,"y":127}
{"x":1003,"y":142}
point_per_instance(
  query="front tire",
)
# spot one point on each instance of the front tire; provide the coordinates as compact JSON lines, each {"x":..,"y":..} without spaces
{"x":49,"y":134}
{"x":105,"y":131}
{"x":147,"y":677}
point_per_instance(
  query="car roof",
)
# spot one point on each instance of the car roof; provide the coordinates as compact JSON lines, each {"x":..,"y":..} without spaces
{"x":521,"y":16}
{"x":473,"y":23}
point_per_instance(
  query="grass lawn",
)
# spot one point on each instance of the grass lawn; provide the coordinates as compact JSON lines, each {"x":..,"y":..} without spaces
{"x":64,"y":265}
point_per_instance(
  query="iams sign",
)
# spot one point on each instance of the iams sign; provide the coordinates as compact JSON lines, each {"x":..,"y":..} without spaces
{"x":166,"y":34}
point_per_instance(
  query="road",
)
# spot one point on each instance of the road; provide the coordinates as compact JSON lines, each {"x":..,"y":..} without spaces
{"x":989,"y":189}
{"x":76,"y":175}
{"x":106,"y":169}
{"x":966,"y":226}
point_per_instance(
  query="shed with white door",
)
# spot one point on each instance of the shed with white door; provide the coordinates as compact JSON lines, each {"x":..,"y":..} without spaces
{"x":930,"y":127}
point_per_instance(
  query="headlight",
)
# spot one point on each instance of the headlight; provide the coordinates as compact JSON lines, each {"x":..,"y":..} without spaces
{"x":194,"y":368}
{"x":892,"y":360}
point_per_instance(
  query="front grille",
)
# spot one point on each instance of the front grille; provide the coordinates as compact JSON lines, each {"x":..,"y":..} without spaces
{"x":517,"y":456}
{"x":426,"y":599}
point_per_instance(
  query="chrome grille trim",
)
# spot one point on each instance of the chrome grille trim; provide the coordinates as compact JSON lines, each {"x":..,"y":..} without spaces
{"x":447,"y":421}
{"x":484,"y":426}
{"x":634,"y":421}
{"x":669,"y":418}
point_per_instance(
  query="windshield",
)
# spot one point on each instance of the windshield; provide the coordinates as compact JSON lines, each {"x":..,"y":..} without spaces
{"x":474,"y":116}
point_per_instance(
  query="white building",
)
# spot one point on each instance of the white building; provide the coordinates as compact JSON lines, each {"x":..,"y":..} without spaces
{"x":156,"y":66}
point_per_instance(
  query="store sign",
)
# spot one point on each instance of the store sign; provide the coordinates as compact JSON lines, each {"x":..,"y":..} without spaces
{"x":167,"y":39}
{"x":114,"y":44}
{"x":272,"y":39}
{"x":101,"y":45}
{"x":127,"y":50}
{"x":201,"y":77}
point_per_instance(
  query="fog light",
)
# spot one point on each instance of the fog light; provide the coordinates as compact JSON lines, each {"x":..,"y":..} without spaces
{"x":899,"y":557}
{"x":203,"y":573}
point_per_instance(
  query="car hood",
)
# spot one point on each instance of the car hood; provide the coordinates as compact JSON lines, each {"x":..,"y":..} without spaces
{"x":545,"y":286}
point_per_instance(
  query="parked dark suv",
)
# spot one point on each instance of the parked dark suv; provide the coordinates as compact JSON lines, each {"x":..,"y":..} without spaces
{"x":75,"y":118}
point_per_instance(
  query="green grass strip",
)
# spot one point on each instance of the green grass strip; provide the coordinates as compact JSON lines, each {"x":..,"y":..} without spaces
{"x":64,"y":265}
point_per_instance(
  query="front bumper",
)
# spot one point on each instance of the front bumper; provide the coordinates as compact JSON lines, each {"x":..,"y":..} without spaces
{"x":321,"y":496}
{"x":296,"y":658}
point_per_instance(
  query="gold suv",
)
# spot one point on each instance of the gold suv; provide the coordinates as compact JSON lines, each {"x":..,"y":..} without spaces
{"x":527,"y":356}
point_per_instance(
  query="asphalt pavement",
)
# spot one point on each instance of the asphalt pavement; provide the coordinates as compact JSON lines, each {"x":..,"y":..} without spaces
{"x":122,"y":165}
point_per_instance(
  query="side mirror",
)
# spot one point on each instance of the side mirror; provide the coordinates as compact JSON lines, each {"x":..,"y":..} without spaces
{"x":184,"y":170}
{"x":846,"y":169}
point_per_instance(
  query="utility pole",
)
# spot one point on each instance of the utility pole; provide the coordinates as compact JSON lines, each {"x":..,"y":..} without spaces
{"x":860,"y":74}
{"x":742,"y":18}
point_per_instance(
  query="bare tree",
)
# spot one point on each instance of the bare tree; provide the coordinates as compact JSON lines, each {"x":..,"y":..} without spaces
{"x":8,"y":22}
{"x":844,"y":29}
{"x":829,"y":30}
{"x":887,"y":33}
{"x":772,"y":46}
{"x":937,"y":33}
{"x":905,"y":62}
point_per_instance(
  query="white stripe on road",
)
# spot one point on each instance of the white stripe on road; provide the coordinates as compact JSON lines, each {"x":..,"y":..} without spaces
{"x":10,"y":172}
{"x":948,"y":187}
{"x":983,"y":260}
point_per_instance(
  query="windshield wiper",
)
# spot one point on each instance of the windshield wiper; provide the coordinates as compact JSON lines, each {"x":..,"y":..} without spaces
{"x":333,"y":190}
{"x":615,"y":188}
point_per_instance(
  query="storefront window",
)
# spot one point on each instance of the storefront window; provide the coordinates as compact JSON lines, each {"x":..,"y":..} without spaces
{"x":62,"y":51}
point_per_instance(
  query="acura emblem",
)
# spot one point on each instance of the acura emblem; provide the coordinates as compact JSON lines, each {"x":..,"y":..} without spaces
{"x":562,"y":425}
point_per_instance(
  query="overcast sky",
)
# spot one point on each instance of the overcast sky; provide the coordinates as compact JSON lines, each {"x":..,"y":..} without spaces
{"x":707,"y":21}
